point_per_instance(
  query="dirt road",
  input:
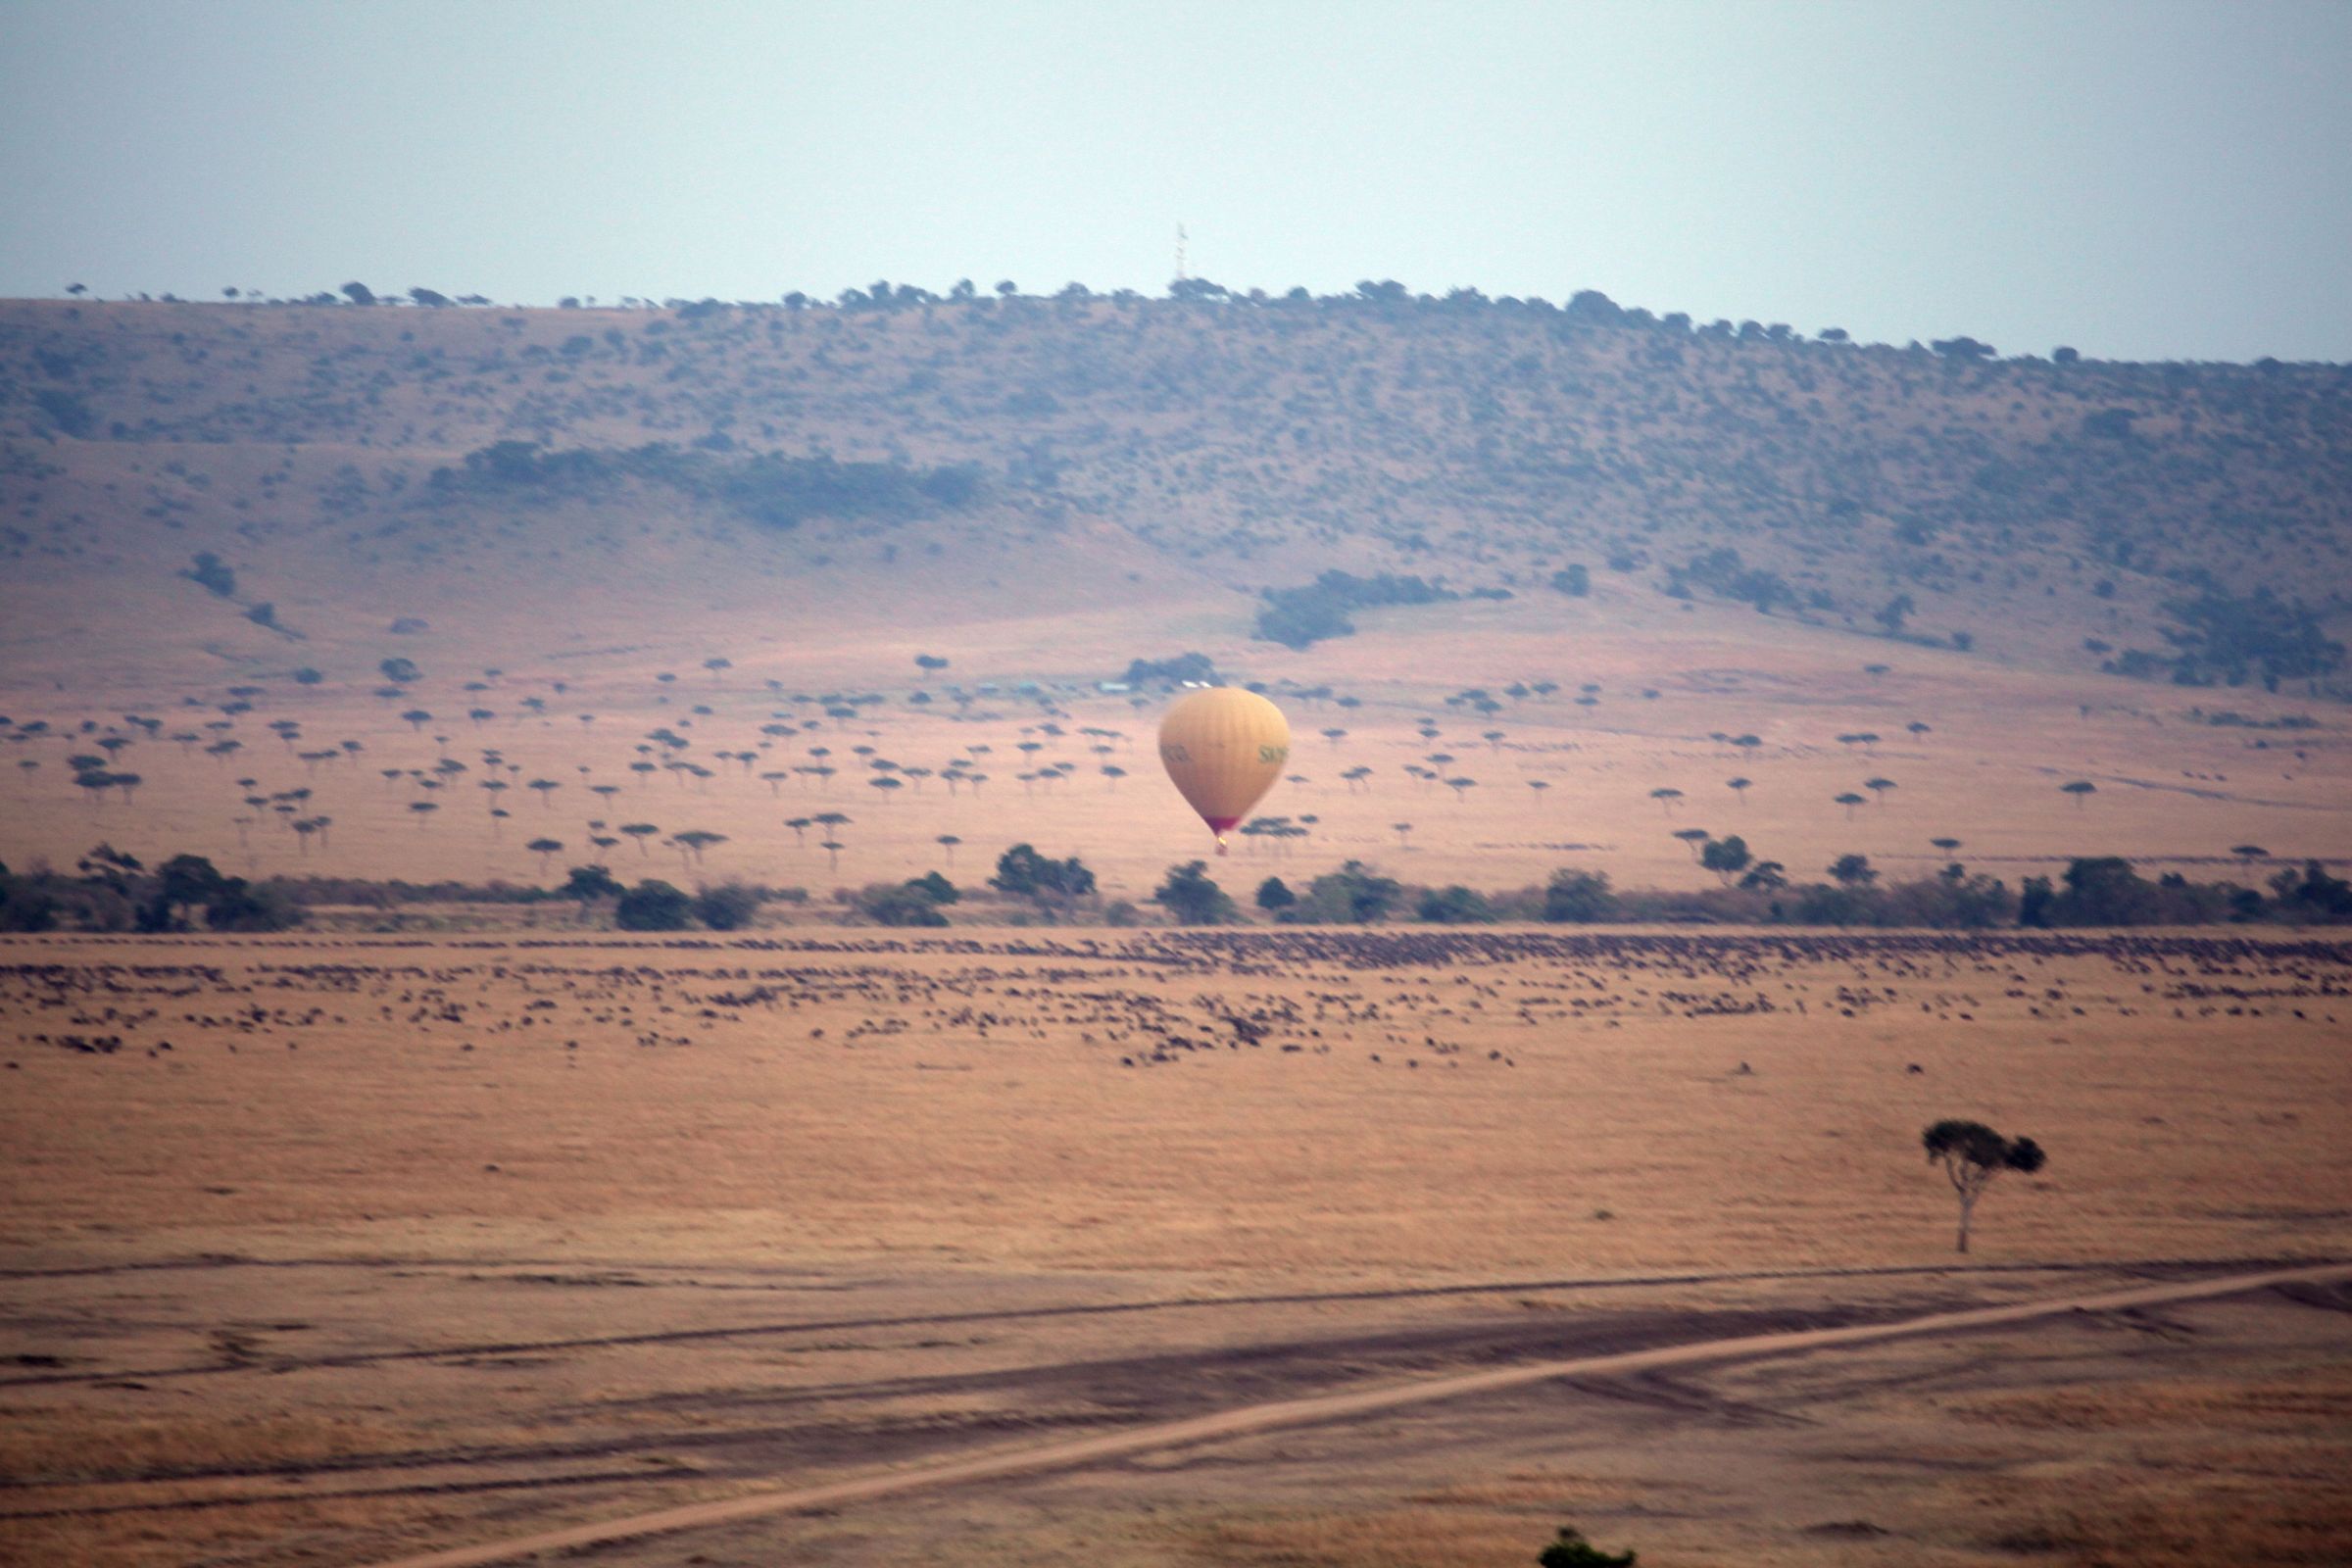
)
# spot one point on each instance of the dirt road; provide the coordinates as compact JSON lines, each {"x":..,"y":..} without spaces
{"x":1259,"y":1418}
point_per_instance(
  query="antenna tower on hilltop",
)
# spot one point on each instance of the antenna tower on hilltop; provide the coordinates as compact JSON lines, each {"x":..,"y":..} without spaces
{"x":1179,"y":253}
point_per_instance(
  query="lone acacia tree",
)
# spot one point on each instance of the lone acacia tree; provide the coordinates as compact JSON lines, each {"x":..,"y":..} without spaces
{"x":1971,"y":1154}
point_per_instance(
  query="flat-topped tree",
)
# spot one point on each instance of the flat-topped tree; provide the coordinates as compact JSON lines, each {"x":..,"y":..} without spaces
{"x":694,"y":841}
{"x":1971,"y":1154}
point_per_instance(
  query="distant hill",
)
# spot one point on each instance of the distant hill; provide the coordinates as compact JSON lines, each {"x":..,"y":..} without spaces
{"x":1259,"y":466}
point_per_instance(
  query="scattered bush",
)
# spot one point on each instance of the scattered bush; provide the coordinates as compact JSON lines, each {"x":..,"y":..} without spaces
{"x":1023,"y":873}
{"x":653,"y":906}
{"x":73,"y":414}
{"x":1171,"y":671}
{"x":1569,"y":1549}
{"x":1298,"y":617}
{"x":1188,"y":894}
{"x":1453,"y":906}
{"x":729,"y":906}
{"x":1579,"y":898}
{"x":1353,"y":895}
{"x":210,"y":573}
{"x":921,"y":902}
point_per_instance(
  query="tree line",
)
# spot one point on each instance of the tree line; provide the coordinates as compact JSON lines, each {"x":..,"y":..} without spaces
{"x":111,"y":890}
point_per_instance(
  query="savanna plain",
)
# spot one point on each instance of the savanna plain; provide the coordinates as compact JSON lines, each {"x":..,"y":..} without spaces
{"x":362,"y":1245}
{"x":453,"y":1215}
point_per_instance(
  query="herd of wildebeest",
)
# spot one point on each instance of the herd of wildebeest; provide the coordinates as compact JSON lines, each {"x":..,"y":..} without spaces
{"x":1402,"y":995}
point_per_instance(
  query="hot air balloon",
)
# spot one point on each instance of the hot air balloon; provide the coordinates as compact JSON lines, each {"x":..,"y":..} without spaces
{"x":1223,"y":748}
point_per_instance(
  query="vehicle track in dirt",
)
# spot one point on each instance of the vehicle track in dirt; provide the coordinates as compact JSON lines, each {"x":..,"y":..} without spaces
{"x":1081,"y":1309}
{"x":825,"y":1425}
{"x":1315,"y":1409}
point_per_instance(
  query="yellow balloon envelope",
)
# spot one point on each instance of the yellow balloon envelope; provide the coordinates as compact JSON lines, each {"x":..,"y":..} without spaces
{"x":1223,"y":748}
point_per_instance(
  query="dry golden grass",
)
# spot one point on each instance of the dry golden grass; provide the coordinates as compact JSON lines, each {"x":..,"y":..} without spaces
{"x":54,"y":1445}
{"x":2312,"y":1400}
{"x":2174,"y":1472}
{"x":864,"y":1114}
{"x":492,"y":1151}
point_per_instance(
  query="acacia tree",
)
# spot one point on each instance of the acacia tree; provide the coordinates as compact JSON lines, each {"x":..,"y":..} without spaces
{"x":1971,"y":1154}
{"x":1726,"y":857}
{"x":694,"y":841}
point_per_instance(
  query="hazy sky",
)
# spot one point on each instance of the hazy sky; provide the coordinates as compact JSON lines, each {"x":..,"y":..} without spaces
{"x":2146,"y":180}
